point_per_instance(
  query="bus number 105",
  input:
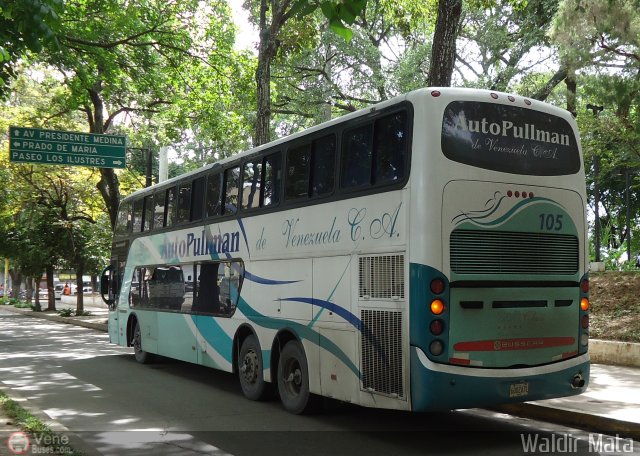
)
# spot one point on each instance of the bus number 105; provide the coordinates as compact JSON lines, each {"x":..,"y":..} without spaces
{"x":551,"y":222}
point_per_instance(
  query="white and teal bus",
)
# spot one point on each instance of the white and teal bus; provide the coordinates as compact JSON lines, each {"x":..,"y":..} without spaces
{"x":426,"y":253}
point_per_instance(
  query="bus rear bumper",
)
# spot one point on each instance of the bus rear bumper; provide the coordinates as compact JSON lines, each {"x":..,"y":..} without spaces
{"x":444,"y":387}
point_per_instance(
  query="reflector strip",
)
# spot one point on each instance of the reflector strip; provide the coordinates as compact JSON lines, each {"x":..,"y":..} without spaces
{"x":464,"y":362}
{"x":531,"y":343}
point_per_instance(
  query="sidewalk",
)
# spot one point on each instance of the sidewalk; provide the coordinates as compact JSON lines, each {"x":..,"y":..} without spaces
{"x":611,"y":404}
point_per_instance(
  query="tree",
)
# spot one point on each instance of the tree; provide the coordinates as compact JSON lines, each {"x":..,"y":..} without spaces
{"x":130,"y":58}
{"x":271,"y":16}
{"x":24,"y":27}
{"x":443,"y":50}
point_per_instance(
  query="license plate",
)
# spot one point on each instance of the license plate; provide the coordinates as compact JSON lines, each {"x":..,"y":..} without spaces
{"x":519,"y":389}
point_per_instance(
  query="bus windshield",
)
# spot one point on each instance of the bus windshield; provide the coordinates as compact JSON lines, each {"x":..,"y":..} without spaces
{"x":509,"y":139}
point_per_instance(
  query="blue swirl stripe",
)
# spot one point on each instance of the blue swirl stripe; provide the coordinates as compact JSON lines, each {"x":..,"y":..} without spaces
{"x":330,"y":306}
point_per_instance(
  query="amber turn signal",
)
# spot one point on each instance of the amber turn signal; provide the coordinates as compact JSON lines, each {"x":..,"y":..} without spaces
{"x":584,"y":304}
{"x":437,"y":306}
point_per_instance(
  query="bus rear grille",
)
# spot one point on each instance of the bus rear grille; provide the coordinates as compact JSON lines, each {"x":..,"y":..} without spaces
{"x":381,"y":277}
{"x":506,"y":252}
{"x":381,"y":361}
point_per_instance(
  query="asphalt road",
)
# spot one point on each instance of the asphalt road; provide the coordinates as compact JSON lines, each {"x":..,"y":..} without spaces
{"x":119,"y":407}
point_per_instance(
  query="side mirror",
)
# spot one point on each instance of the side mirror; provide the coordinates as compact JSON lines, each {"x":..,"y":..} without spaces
{"x":106,"y":287}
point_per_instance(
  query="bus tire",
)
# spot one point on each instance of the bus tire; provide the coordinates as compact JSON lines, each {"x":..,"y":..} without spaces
{"x":293,"y":380}
{"x":250,"y":369}
{"x":141,"y":356}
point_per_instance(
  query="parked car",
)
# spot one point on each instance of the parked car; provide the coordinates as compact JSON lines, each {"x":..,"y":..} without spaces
{"x":57,"y":291}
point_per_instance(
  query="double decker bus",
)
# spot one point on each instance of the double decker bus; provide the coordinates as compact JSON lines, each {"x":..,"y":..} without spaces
{"x":425,"y":253}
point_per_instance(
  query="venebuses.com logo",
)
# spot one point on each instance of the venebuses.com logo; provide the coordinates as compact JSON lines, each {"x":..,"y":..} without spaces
{"x":18,"y":443}
{"x":23,"y":443}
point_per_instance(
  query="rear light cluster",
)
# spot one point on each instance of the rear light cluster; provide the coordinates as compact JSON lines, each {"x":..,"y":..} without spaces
{"x":438,"y":308}
{"x":519,"y":194}
{"x":584,"y":314}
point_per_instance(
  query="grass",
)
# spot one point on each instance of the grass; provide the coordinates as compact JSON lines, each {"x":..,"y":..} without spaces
{"x":33,"y":426}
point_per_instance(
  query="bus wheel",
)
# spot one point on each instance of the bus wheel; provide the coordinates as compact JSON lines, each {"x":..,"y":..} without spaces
{"x":293,"y":380}
{"x":141,"y":356}
{"x":250,"y":369}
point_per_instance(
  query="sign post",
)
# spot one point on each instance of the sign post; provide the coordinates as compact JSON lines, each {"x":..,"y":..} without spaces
{"x":52,"y":147}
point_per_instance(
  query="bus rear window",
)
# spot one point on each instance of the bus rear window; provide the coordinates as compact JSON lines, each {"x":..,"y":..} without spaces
{"x":509,"y":139}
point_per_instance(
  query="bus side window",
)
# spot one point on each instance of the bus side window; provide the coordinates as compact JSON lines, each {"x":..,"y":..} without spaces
{"x":296,"y":181}
{"x":231,"y":190}
{"x":356,"y":157}
{"x":184,"y":203}
{"x":147,"y":221}
{"x":207,"y":294}
{"x":136,"y":218}
{"x":214,"y":187}
{"x":197,"y":199}
{"x":390,"y":148}
{"x":123,"y":223}
{"x":323,"y":159}
{"x":171,"y":207}
{"x":158,"y":212}
{"x":272,"y":178}
{"x":251,"y":184}
{"x":230,"y":286}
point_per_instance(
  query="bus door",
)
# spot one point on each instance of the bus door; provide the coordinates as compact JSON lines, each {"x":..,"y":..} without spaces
{"x":333,"y":317}
{"x":110,"y":284}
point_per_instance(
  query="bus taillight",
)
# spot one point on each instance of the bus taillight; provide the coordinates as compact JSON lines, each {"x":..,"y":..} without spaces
{"x":437,"y":307}
{"x":437,"y":286}
{"x":584,"y":286}
{"x":436,"y":327}
{"x":584,"y":321}
{"x":436,"y":347}
{"x":584,"y":304}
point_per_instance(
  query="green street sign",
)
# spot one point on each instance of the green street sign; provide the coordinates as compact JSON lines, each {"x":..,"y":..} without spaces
{"x":52,"y":147}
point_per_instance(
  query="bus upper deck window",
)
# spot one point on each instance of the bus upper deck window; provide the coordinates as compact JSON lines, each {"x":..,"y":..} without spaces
{"x":356,"y":157}
{"x":390,"y":145}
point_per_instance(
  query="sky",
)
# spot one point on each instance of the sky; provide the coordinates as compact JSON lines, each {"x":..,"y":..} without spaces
{"x":247,"y":36}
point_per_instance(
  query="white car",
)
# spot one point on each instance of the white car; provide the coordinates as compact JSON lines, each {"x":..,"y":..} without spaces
{"x":57,"y":291}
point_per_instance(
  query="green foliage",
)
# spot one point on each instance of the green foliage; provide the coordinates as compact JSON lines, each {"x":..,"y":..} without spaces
{"x":66,"y":312}
{"x":30,"y":424}
{"x":25,"y":26}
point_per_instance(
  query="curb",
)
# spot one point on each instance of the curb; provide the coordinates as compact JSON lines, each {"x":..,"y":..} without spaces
{"x":596,"y":423}
{"x":57,"y":318}
{"x":614,"y":353}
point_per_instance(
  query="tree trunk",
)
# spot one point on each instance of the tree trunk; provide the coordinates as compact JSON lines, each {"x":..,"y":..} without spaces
{"x":443,"y":49}
{"x":16,"y":283}
{"x":36,"y":287}
{"x":109,"y":185}
{"x":79,"y":287}
{"x":51,"y":305}
{"x":29,"y":289}
{"x":571,"y":84}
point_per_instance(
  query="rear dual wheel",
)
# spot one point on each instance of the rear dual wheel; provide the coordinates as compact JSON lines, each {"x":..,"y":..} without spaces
{"x":293,"y":380}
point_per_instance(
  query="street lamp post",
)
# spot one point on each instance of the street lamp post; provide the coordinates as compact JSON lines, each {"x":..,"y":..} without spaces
{"x":149,"y":163}
{"x":628,"y":203}
{"x":596,"y":186}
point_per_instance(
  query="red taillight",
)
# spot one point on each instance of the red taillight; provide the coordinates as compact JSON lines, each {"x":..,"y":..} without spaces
{"x":584,"y":321}
{"x":436,"y":327}
{"x":437,"y":286}
{"x":435,"y":93}
{"x":584,"y":286}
